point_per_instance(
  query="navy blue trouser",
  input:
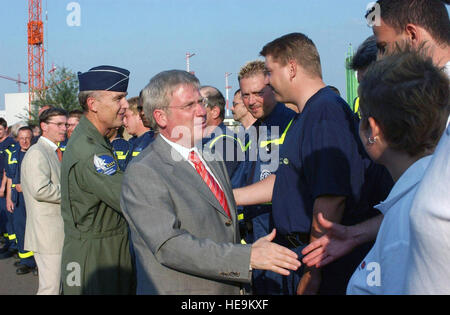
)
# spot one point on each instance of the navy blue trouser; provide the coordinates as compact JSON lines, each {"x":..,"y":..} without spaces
{"x":3,"y":221}
{"x":266,"y":282}
{"x":20,"y":218}
{"x":9,"y":226}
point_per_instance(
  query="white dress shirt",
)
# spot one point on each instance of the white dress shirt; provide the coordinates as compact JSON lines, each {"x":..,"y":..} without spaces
{"x":184,"y":152}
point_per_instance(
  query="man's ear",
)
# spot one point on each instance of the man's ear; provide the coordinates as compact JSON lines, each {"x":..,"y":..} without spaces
{"x":215,"y":112}
{"x":160,"y":117}
{"x":414,"y":33}
{"x":292,"y":68}
{"x":43,"y":127}
{"x":92,"y":104}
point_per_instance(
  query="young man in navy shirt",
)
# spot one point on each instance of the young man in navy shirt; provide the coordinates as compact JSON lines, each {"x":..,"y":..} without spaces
{"x":273,"y":124}
{"x":142,"y":136}
{"x":325,"y":169}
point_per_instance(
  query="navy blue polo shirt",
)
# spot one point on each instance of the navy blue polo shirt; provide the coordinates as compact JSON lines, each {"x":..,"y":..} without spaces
{"x":232,"y":148}
{"x":323,"y":156}
{"x":270,"y":148}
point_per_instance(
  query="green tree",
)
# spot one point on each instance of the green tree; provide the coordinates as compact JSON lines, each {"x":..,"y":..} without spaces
{"x":61,"y":90}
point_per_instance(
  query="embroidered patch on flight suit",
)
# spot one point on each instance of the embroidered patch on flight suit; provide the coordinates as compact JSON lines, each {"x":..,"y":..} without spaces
{"x":105,"y":164}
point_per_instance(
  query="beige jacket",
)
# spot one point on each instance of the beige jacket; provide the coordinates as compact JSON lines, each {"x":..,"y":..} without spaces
{"x":40,"y":179}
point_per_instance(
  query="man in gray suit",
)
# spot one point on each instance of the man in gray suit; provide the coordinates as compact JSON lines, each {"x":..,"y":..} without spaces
{"x":180,"y":206}
{"x":40,"y":178}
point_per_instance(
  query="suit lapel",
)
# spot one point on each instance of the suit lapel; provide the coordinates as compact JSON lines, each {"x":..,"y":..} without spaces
{"x":53,"y":158}
{"x":182,"y":169}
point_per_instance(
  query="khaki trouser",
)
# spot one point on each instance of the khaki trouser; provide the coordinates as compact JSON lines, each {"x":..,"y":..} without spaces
{"x":49,"y":268}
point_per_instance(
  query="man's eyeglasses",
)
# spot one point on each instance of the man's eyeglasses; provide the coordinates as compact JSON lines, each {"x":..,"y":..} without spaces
{"x":203,"y":102}
{"x":58,"y":124}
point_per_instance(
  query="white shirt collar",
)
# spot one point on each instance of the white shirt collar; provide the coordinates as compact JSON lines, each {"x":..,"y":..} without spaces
{"x":50,"y":143}
{"x":409,"y":179}
{"x":184,"y":152}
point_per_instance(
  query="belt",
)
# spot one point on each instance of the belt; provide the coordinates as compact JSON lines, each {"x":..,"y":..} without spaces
{"x":298,"y":239}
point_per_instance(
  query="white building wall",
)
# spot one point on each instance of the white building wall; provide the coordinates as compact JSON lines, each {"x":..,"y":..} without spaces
{"x":16,"y":104}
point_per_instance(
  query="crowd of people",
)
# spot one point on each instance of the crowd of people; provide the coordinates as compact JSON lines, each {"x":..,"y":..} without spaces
{"x":305,"y":196}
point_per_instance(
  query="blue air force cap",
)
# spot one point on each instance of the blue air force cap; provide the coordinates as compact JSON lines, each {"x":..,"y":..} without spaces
{"x":104,"y":78}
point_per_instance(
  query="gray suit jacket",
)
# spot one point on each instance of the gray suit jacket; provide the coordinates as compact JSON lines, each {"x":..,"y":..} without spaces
{"x":40,"y":180}
{"x":184,"y":241}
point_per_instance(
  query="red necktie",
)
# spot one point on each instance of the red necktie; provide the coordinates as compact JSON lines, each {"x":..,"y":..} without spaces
{"x":59,"y":153}
{"x":209,"y":181}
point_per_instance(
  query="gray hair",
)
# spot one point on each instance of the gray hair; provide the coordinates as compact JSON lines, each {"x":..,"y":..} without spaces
{"x":158,"y":92}
{"x":15,"y":128}
{"x":83,"y":96}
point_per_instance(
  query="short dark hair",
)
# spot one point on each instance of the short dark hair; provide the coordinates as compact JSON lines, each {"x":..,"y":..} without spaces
{"x":408,"y":96}
{"x":75,"y":113}
{"x":432,"y":15}
{"x":237,"y":91}
{"x":215,"y":98}
{"x":25,"y":128}
{"x":45,"y":116}
{"x":3,"y":122}
{"x":295,"y":46}
{"x":365,"y":55}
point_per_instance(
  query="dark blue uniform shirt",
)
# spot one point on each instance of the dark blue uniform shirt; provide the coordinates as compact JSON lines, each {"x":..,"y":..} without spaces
{"x":326,"y":157}
{"x":3,"y":156}
{"x":121,"y":149}
{"x":226,"y":145}
{"x":269,"y":146}
{"x":138,"y":144}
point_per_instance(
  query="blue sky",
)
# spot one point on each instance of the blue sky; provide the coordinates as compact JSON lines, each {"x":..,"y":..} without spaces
{"x":149,"y":36}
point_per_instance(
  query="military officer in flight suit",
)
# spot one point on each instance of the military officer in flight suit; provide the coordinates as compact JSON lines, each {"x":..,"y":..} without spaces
{"x":96,"y":257}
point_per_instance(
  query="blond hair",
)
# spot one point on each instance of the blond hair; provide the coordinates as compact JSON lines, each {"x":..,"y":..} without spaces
{"x":252,"y":68}
{"x":133,"y":104}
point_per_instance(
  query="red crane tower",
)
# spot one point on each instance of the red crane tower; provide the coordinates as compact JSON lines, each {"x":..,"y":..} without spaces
{"x":35,"y":50}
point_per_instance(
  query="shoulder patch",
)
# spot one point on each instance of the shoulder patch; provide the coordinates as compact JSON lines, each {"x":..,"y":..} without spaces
{"x":105,"y":164}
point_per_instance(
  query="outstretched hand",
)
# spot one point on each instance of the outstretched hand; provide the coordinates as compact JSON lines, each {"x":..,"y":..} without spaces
{"x":335,"y":243}
{"x":267,"y":255}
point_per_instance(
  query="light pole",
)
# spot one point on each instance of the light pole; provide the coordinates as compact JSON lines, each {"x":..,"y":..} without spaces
{"x":188,"y":56}
{"x":227,"y":88}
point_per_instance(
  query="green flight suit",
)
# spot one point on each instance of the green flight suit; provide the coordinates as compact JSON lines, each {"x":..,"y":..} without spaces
{"x":96,"y":255}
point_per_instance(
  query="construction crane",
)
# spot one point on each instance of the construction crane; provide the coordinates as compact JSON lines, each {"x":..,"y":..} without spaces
{"x":36,"y":80}
{"x":15,"y":80}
